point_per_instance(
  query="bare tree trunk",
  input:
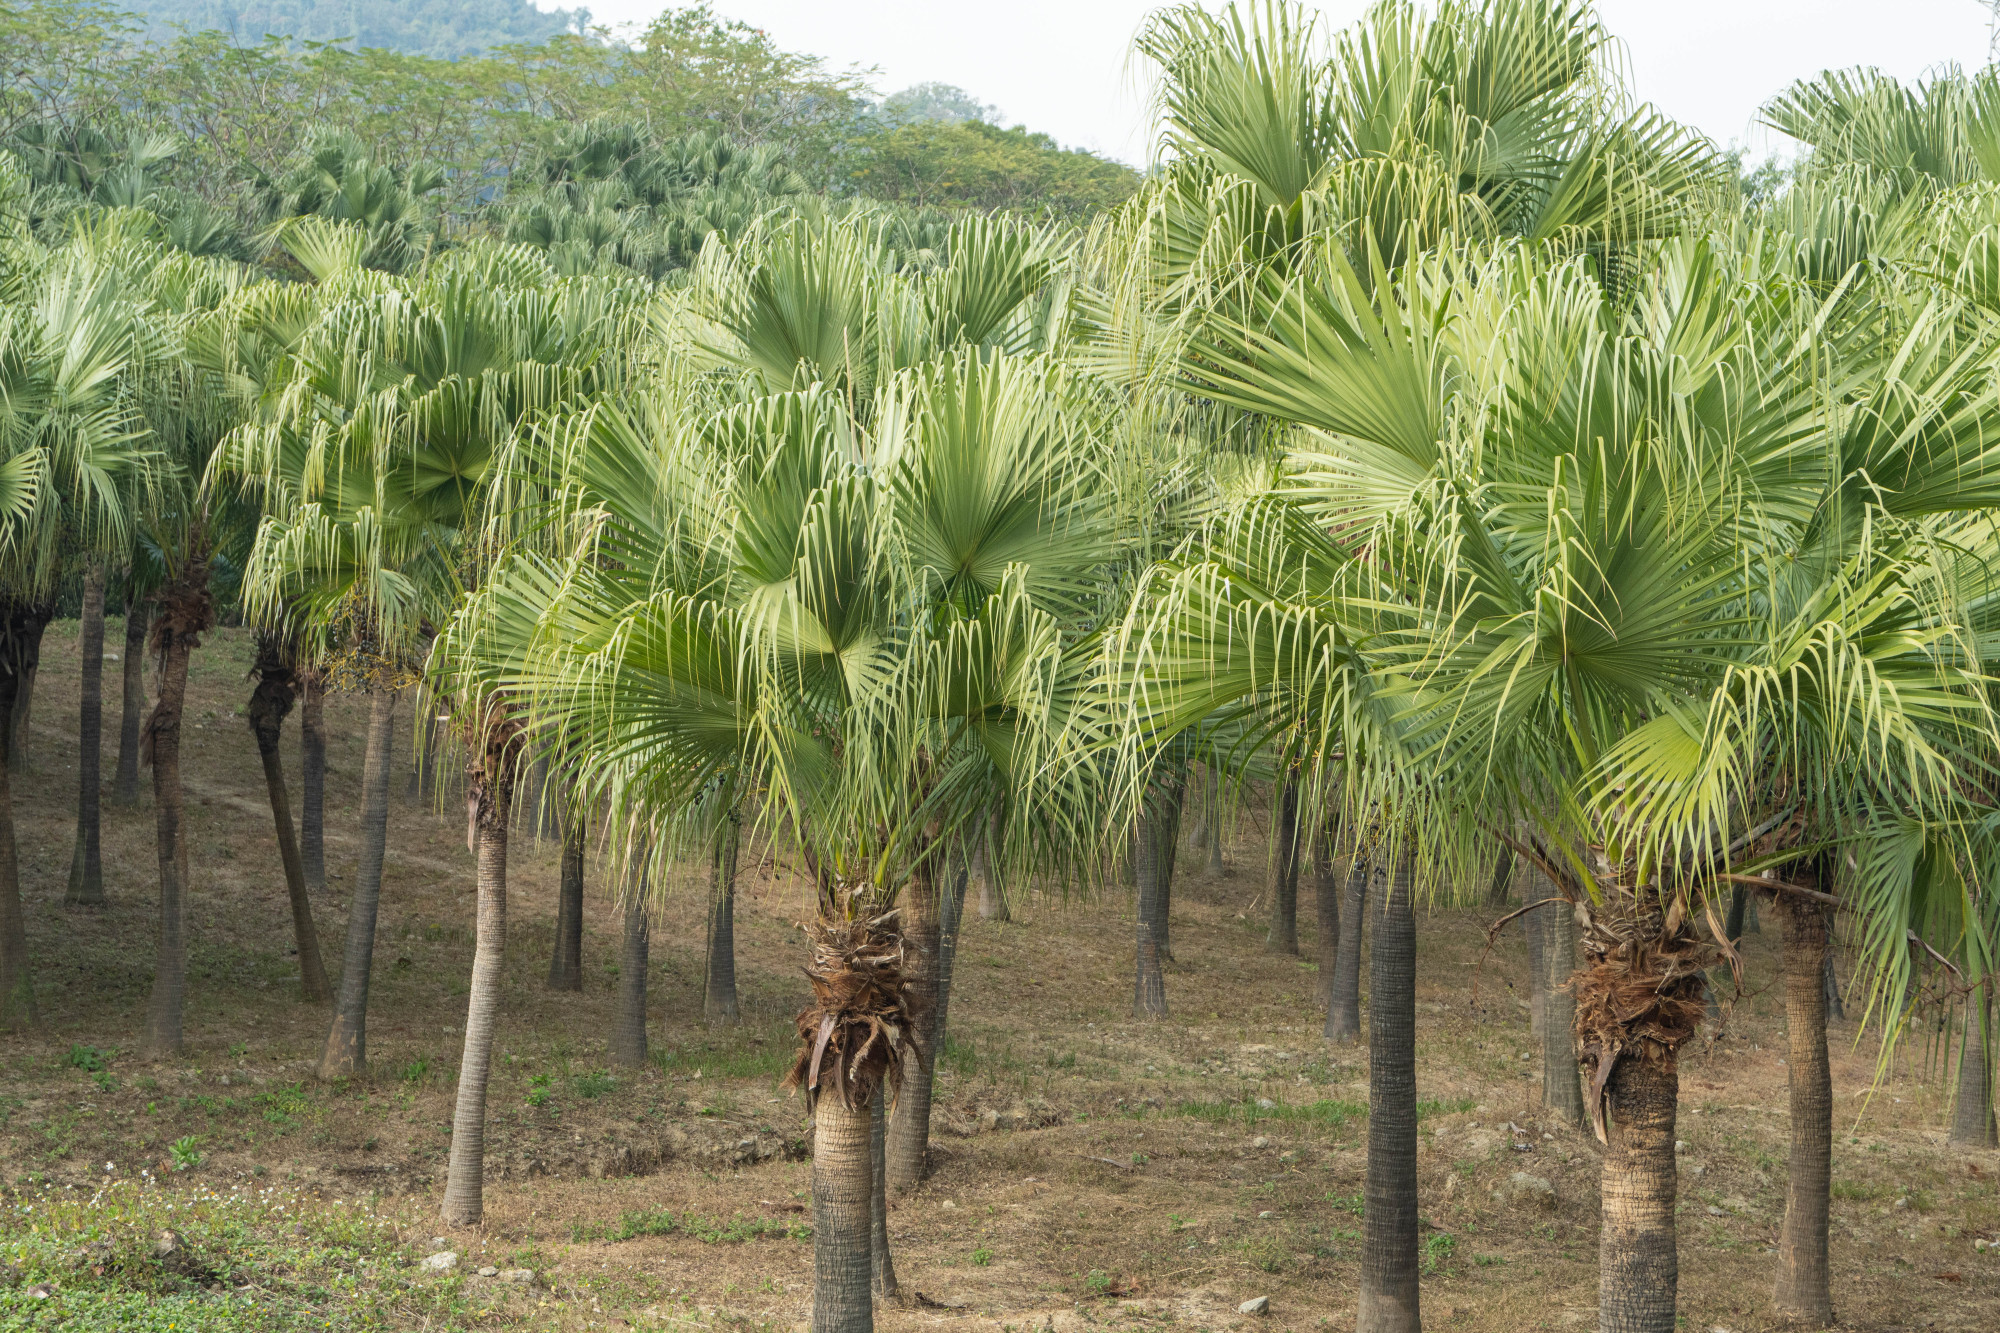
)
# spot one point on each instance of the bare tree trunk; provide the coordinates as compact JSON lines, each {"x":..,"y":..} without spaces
{"x":566,"y":965}
{"x":138,"y":618}
{"x":882,"y":1262}
{"x":1562,"y":1085}
{"x":1804,"y":1289}
{"x":1638,"y":1269}
{"x":269,"y":703}
{"x":1343,"y":1016}
{"x":17,"y":994}
{"x":1216,"y":824}
{"x":628,"y":1031}
{"x":21,"y":717}
{"x":491,"y":797}
{"x":1534,"y":930}
{"x":1388,"y":1295}
{"x":312,"y":780}
{"x":843,"y":1185}
{"x":185,"y":612}
{"x":951,"y":913}
{"x":86,"y":866}
{"x":1283,"y":936}
{"x":719,"y":994}
{"x":910,"y":1126}
{"x":346,"y":1054}
{"x":1326,"y":916}
{"x":1972,"y":1123}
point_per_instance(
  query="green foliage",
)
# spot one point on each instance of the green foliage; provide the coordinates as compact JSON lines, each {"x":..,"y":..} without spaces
{"x":968,"y":163}
{"x":186,"y":1153}
{"x":1327,"y":1113}
{"x":87,"y":1058}
{"x":708,"y":1230}
{"x":442,"y":28}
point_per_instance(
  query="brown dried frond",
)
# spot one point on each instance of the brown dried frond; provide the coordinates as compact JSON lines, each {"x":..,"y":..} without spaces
{"x":1639,"y":993}
{"x":854,"y":1035}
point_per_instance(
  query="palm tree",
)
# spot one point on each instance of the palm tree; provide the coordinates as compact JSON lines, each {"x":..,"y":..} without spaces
{"x":138,"y":617}
{"x":86,"y":868}
{"x":269,"y":703}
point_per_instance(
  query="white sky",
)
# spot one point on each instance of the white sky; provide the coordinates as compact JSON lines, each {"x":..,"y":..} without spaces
{"x":1061,"y":66}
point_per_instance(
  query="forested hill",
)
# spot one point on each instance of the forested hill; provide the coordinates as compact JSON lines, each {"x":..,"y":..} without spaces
{"x":443,"y":28}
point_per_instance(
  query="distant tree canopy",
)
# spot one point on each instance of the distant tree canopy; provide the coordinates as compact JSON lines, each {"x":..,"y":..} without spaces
{"x":701,"y":122}
{"x":442,"y":28}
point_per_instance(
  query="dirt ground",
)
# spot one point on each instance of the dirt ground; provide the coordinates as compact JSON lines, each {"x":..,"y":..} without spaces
{"x":1091,"y":1169}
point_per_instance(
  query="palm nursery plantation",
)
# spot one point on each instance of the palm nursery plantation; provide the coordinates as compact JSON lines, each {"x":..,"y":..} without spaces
{"x":642,"y":688}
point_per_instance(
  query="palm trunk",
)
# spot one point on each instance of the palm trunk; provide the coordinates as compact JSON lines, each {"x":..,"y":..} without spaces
{"x":843,"y":1185}
{"x":312,"y":780}
{"x":86,"y":866}
{"x":628,"y":1029}
{"x":1562,"y":1085}
{"x":269,"y":703}
{"x":17,"y":995}
{"x":1343,"y":1015}
{"x":138,"y":615}
{"x":1215,"y":824}
{"x":951,"y":913}
{"x":185,"y":611}
{"x":1149,"y":984}
{"x":992,"y":893}
{"x":1503,"y":878}
{"x":493,"y":793}
{"x":566,"y":965}
{"x":1388,"y":1296}
{"x":1638,"y":1268}
{"x":1326,"y":916}
{"x":1834,"y":1008}
{"x":910,"y":1126}
{"x":1972,"y":1123}
{"x":20,"y":717}
{"x":1804,"y":1291}
{"x":346,"y":1054}
{"x":881,"y":1262}
{"x":1732,"y":929}
{"x":1534,"y":930}
{"x":1283,"y":936}
{"x":719,"y":993}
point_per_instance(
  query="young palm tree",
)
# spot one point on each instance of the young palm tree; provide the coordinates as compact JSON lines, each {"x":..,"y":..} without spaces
{"x":269,"y":703}
{"x":86,"y":867}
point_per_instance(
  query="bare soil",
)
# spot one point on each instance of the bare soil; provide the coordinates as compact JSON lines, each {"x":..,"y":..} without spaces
{"x":1091,"y":1169}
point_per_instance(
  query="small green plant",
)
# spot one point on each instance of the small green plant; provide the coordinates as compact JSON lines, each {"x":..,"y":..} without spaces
{"x":1097,"y":1282}
{"x":186,"y":1153}
{"x":593,"y":1084}
{"x":1438,"y":1247}
{"x":238,"y":1049}
{"x":416,"y":1071}
{"x":1433,"y":1106}
{"x":981,"y":1257}
{"x":1349,"y":1203}
{"x":1489,"y":1260}
{"x":103,"y":1079}
{"x":87,"y":1058}
{"x":538,"y":1089}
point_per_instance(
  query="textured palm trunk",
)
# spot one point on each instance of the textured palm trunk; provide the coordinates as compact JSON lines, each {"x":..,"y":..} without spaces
{"x":1343,"y":1015}
{"x":566,"y":964}
{"x":992,"y":892}
{"x":346,"y":1054}
{"x":718,"y":1001}
{"x":843,"y":1186}
{"x":312,"y":779}
{"x":882,"y":1264}
{"x":185,"y":611}
{"x":491,"y":797}
{"x":1388,"y":1295}
{"x":1283,"y":937}
{"x":1834,"y":1008}
{"x":1638,"y":1270}
{"x":1562,"y":1085}
{"x":17,"y":995}
{"x":1326,"y":916}
{"x":1804,"y":1290}
{"x":1535,"y":932}
{"x":910,"y":1126}
{"x":86,"y":865}
{"x":628,"y":1029}
{"x":1149,"y":984}
{"x":1497,"y":891}
{"x":1972,"y":1122}
{"x":138,"y":618}
{"x":951,"y":914}
{"x":21,"y":715}
{"x":269,"y":703}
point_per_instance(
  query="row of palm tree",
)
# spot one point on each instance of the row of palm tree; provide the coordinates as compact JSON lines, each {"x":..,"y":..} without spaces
{"x":1437,"y":443}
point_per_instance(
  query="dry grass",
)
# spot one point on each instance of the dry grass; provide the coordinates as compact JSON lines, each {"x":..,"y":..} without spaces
{"x":1144,"y":1183}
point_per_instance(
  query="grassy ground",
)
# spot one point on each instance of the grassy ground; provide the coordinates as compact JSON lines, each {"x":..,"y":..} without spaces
{"x":1091,"y":1170}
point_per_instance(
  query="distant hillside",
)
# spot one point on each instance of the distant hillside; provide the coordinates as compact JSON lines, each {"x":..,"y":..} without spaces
{"x":446,"y":28}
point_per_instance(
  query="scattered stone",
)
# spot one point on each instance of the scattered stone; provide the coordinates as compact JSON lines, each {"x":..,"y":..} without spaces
{"x":1903,"y":1202}
{"x":949,"y":1204}
{"x":168,"y":1244}
{"x":440,"y":1243}
{"x":489,"y":1271}
{"x":1979,"y":1244}
{"x":1680,"y":1145}
{"x":1697,"y":1168}
{"x":441,"y":1262}
{"x":1266,"y":1214}
{"x":1260,"y":1142}
{"x":1522,"y":1188}
{"x":520,"y":1277}
{"x":1266,"y":1104}
{"x":41,"y":1291}
{"x":1713,"y":1211}
{"x":1255,"y":1305}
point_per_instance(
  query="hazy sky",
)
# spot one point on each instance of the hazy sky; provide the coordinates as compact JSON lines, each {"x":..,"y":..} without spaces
{"x":1061,"y":66}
